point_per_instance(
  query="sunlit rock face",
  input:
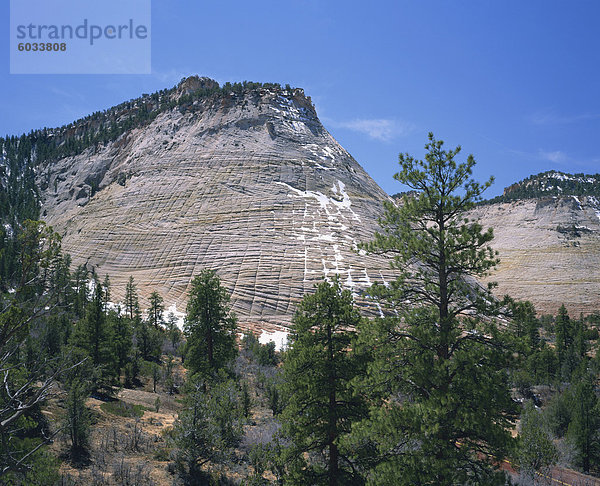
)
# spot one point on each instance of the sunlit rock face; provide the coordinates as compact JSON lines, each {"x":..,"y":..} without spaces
{"x":251,"y":185}
{"x":549,"y":250}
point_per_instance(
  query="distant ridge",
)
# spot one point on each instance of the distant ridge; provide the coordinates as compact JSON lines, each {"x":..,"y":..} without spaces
{"x":551,"y":183}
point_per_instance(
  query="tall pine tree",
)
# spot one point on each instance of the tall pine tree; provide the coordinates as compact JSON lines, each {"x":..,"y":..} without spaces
{"x":441,"y":400}
{"x":209,"y":325}
{"x":321,"y":404}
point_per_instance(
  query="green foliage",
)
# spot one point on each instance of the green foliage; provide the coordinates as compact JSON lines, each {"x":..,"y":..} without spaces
{"x":209,"y":325}
{"x":264,"y":354}
{"x":95,"y":336}
{"x":208,"y":428}
{"x":28,"y":370}
{"x":438,"y":381}
{"x":43,"y":467}
{"x":123,"y":409}
{"x":584,"y":428}
{"x":156,"y":310}
{"x":321,"y":405}
{"x":571,"y":342}
{"x":536,"y":452}
{"x":542,"y":365}
{"x":78,"y":419}
{"x":525,"y":324}
{"x":132,"y":369}
{"x":122,"y":333}
{"x":548,"y":184}
{"x":132,"y":306}
{"x":246,"y":401}
{"x":148,"y":340}
{"x":173,"y":332}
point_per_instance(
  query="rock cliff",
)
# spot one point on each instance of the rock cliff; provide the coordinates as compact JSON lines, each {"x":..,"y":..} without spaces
{"x":247,"y":182}
{"x":549,"y":249}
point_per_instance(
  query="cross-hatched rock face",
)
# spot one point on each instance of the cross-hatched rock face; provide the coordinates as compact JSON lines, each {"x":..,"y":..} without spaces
{"x":549,"y":251}
{"x":252,"y":186}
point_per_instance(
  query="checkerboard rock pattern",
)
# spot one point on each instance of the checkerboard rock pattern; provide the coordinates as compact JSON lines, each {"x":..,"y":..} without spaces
{"x":252,"y":186}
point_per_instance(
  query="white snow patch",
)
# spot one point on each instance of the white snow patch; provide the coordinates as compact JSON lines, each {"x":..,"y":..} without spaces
{"x":180,"y":316}
{"x":349,"y":282}
{"x":328,"y":152}
{"x":595,"y":205}
{"x":280,"y":339}
{"x":322,"y":199}
{"x":322,"y":167}
{"x":367,"y":279}
{"x":328,"y":237}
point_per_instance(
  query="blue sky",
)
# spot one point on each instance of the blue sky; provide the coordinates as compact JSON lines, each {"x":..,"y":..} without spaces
{"x":515,"y":83}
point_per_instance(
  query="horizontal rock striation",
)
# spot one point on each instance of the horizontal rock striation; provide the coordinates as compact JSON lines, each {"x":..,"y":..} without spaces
{"x":251,"y":185}
{"x":549,"y":251}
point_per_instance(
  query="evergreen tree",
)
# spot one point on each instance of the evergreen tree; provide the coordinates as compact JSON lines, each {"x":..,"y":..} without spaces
{"x":209,"y":325}
{"x":106,"y":293}
{"x":132,"y":306}
{"x":156,"y":309}
{"x":173,"y":331}
{"x":319,"y":367}
{"x":78,"y":419}
{"x":208,"y":427}
{"x":536,"y":452}
{"x":570,"y":343}
{"x":94,"y":335}
{"x":525,"y":323}
{"x":564,"y":334}
{"x":441,"y":402}
{"x":122,"y":337}
{"x":584,"y":429}
{"x":80,"y":284}
{"x":148,"y":341}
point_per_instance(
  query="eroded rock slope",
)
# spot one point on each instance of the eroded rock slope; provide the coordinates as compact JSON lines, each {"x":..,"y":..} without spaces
{"x":250,"y":184}
{"x":549,"y":250}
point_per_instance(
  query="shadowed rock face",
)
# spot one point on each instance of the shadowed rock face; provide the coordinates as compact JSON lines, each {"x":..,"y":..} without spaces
{"x":250,"y":185}
{"x":549,"y":251}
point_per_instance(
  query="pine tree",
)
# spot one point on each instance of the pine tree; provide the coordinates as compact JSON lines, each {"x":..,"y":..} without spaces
{"x":106,"y":291}
{"x":208,"y":427}
{"x":77,"y":419}
{"x":321,"y":405}
{"x":132,"y":307}
{"x":564,"y":334}
{"x":570,"y":343}
{"x":525,"y":323}
{"x":585,"y":422}
{"x":441,"y":402}
{"x":156,"y":309}
{"x":173,"y":332}
{"x":209,"y":325}
{"x":95,"y":335}
{"x":80,"y":284}
{"x":122,"y":334}
{"x":536,"y":452}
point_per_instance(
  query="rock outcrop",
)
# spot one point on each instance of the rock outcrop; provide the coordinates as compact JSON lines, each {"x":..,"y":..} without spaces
{"x":250,"y":184}
{"x":549,"y":251}
{"x":246,"y":180}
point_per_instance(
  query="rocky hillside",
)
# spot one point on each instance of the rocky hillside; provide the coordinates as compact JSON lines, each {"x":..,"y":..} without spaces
{"x":552,"y":183}
{"x":547,"y":230}
{"x":242,"y":179}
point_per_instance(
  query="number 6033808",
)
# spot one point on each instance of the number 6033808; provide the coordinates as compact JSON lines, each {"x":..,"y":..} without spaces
{"x":45,"y":46}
